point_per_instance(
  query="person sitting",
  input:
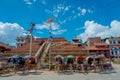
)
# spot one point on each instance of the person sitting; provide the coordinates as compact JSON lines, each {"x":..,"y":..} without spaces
{"x":32,"y":60}
{"x":70,"y":63}
{"x":59,"y":60}
{"x":79,"y":61}
{"x":80,"y":64}
{"x":90,"y":60}
{"x":59,"y":64}
{"x":21,"y":61}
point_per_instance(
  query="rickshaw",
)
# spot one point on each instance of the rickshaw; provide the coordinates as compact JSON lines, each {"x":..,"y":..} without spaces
{"x":18,"y":63}
{"x":23,"y":63}
{"x":4,"y":68}
{"x":80,"y":63}
{"x":96,"y":62}
{"x":69,"y":62}
{"x":31,"y":63}
{"x":59,"y":63}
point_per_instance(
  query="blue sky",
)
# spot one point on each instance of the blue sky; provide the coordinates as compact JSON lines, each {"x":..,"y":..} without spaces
{"x":73,"y":18}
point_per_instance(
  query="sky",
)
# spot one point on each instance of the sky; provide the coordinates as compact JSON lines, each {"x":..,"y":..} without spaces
{"x":72,"y":18}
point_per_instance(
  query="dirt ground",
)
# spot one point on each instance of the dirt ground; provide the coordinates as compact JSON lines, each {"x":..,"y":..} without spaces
{"x":51,"y":75}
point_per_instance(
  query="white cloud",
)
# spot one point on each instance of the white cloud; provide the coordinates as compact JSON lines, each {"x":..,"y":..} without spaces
{"x":79,"y":8}
{"x":48,"y":11}
{"x":75,"y":16}
{"x":34,"y":0}
{"x":83,"y":11}
{"x":58,"y":32}
{"x":115,"y":28}
{"x":77,"y":29}
{"x":28,"y":2}
{"x":55,"y":28}
{"x":60,"y":9}
{"x":73,"y":11}
{"x":93,"y":29}
{"x":62,"y":22}
{"x":66,"y":8}
{"x":78,"y":12}
{"x":43,"y":2}
{"x":89,"y":11}
{"x":9,"y":32}
{"x":46,"y":26}
{"x":41,"y":26}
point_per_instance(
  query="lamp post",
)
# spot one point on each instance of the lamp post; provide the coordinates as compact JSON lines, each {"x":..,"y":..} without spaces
{"x":31,"y":32}
{"x":49,"y":21}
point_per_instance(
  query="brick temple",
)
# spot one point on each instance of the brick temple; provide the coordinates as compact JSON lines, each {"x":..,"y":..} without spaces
{"x":62,"y":46}
{"x":59,"y":46}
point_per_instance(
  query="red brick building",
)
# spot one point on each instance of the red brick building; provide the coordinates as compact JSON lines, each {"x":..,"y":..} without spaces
{"x":95,"y":46}
{"x":63,"y":47}
{"x":99,"y":48}
{"x":59,"y":46}
{"x":4,"y":47}
{"x":92,"y":40}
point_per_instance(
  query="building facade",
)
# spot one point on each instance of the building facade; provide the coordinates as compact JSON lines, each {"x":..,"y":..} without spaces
{"x":20,"y":41}
{"x":114,"y":43}
{"x":4,"y":47}
{"x":96,"y":47}
{"x":92,"y":40}
{"x":60,"y":46}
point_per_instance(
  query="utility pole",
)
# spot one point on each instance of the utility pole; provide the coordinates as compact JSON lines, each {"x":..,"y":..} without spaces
{"x":31,"y":36}
{"x":49,"y":21}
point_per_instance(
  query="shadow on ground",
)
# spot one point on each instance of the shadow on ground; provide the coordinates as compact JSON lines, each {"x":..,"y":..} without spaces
{"x":108,"y":72}
{"x":29,"y":73}
{"x":6,"y":75}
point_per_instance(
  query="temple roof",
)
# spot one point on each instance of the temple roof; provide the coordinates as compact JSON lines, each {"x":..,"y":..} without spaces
{"x":57,"y":44}
{"x":101,"y":44}
{"x":95,"y":48}
{"x":4,"y":47}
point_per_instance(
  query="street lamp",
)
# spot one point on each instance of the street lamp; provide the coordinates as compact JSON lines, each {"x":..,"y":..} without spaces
{"x":49,"y":21}
{"x":31,"y":32}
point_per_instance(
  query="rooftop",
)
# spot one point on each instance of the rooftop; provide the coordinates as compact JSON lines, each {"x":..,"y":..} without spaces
{"x":57,"y":45}
{"x":101,"y":44}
